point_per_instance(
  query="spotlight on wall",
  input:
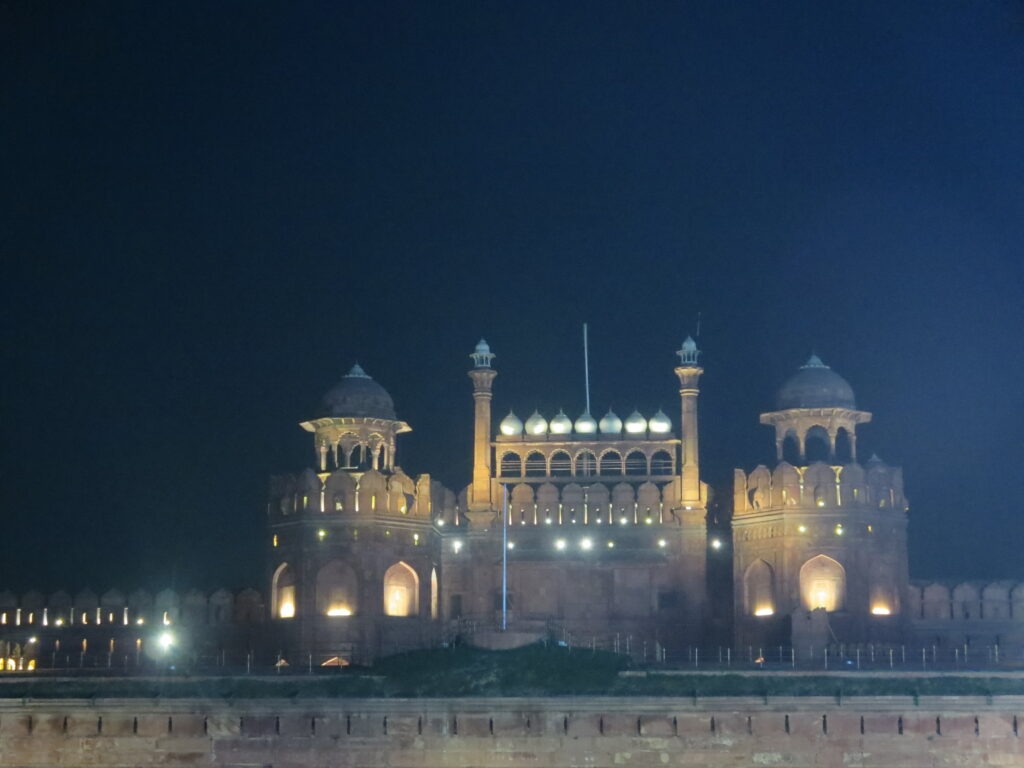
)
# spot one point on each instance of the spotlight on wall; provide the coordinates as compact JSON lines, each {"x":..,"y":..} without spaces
{"x":165,"y":641}
{"x":586,"y":544}
{"x":716,"y":543}
{"x":560,"y":544}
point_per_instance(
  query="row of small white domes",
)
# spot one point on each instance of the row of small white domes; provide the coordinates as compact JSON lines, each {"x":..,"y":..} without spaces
{"x":586,"y":424}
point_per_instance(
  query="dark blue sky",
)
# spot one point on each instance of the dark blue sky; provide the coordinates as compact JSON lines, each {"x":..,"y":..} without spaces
{"x":211,"y":210}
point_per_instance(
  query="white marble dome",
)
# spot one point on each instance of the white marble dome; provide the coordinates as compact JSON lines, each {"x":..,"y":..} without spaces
{"x":635,"y":423}
{"x":610,"y":423}
{"x":511,"y":425}
{"x":561,"y":424}
{"x":660,"y":424}
{"x":536,"y":424}
{"x":586,"y":424}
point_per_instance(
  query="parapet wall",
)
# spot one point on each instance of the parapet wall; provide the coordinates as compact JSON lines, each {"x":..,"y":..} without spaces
{"x":480,"y":733}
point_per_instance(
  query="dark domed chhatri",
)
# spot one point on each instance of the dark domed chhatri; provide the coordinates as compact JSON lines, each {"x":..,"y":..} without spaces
{"x":816,"y":385}
{"x":358,"y":395}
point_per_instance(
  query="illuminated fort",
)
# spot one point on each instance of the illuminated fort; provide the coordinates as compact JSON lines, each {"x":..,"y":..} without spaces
{"x":589,"y":529}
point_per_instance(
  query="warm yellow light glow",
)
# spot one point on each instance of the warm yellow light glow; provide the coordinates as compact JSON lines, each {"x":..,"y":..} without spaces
{"x":801,"y":529}
{"x":623,"y":520}
{"x":167,"y":619}
{"x":275,"y":540}
{"x":586,"y":544}
{"x":662,"y":543}
{"x":31,"y":664}
{"x":339,"y":610}
{"x":416,"y":538}
{"x":839,"y":530}
{"x":560,"y":544}
{"x":611,"y":545}
{"x":766,"y":611}
{"x":287,"y":610}
{"x":59,"y":622}
{"x":321,"y":534}
{"x":457,"y":545}
{"x":140,"y":621}
{"x":881,"y":610}
{"x":716,"y":543}
{"x":821,"y":502}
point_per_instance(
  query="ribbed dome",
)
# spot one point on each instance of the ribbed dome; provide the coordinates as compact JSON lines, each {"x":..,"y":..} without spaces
{"x":359,"y":396}
{"x":511,"y":425}
{"x":586,"y":424}
{"x":660,"y":423}
{"x":561,"y":424}
{"x":610,"y":424}
{"x":816,"y":385}
{"x":635,"y":423}
{"x":536,"y":424}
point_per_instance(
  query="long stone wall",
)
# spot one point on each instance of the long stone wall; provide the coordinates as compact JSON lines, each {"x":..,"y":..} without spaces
{"x":481,"y":733}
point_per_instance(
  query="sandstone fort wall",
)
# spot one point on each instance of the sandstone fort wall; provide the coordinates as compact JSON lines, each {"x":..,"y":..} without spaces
{"x":481,"y":733}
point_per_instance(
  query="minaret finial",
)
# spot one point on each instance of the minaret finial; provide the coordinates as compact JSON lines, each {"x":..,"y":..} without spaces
{"x":482,"y":355}
{"x":688,"y":353}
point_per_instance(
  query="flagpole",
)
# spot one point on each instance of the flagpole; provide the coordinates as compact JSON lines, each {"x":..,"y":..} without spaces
{"x":504,"y":558}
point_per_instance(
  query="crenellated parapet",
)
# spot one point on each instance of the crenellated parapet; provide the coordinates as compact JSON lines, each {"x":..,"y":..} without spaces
{"x":819,"y":485}
{"x":358,"y":496}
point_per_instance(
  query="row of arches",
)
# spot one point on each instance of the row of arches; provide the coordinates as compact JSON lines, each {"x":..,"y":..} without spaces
{"x":585,"y":463}
{"x":822,"y":584}
{"x":816,"y":443}
{"x":338,"y":591}
{"x":368,"y":449}
{"x":592,"y":504}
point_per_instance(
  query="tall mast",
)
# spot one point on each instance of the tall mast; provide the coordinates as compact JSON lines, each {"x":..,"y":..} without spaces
{"x":586,"y":366}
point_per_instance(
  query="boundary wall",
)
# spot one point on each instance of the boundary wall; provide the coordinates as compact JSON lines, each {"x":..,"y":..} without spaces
{"x":863,"y":732}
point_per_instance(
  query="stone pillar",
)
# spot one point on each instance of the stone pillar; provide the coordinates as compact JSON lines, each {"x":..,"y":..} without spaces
{"x":689,"y":373}
{"x":480,"y":503}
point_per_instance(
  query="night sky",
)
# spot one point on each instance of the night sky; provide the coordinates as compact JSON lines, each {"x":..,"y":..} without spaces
{"x":210,"y":211}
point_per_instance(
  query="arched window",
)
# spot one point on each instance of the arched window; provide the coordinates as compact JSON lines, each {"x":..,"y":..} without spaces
{"x":791,"y":449}
{"x":586,"y":464}
{"x":511,"y":465}
{"x":561,"y":464}
{"x":636,"y":464}
{"x":844,"y":447}
{"x":816,"y":445}
{"x":822,"y":584}
{"x":536,"y":465}
{"x":401,"y":591}
{"x":759,"y":589}
{"x":336,"y":590}
{"x":283,"y":593}
{"x":611,"y":464}
{"x":661,"y":463}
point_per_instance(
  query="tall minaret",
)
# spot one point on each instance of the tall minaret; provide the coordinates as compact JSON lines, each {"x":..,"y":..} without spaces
{"x":689,"y":372}
{"x":483,"y":376}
